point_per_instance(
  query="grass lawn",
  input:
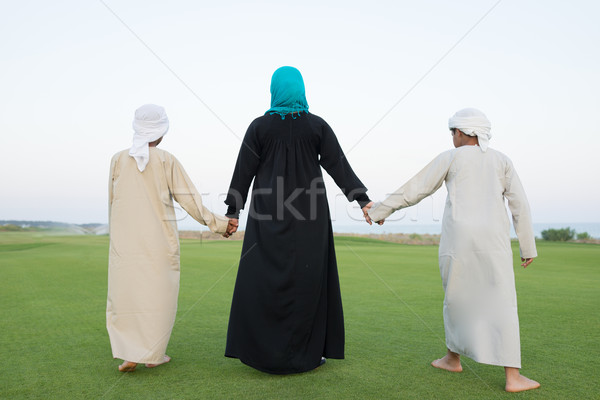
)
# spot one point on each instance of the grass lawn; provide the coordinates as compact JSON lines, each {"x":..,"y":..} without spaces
{"x":55,"y":345}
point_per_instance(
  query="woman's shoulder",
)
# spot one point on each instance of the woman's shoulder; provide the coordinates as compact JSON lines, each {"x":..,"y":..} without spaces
{"x":270,"y":117}
{"x":315,"y":121}
{"x":262,"y":122}
{"x":269,"y":122}
{"x":317,"y":124}
{"x":261,"y":119}
{"x":315,"y":118}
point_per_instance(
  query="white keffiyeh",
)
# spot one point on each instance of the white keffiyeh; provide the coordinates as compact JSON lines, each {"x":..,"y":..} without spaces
{"x":149,"y":124}
{"x":472,"y":122}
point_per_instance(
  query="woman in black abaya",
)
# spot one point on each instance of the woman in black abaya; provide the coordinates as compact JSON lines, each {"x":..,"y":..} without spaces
{"x":286,"y":314}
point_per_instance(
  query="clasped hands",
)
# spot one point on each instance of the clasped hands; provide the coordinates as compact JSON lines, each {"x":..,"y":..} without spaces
{"x":365,"y":211}
{"x":232,"y":227}
{"x":234,"y":223}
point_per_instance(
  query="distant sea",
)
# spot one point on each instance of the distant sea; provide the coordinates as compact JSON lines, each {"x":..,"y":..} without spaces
{"x":592,"y":228}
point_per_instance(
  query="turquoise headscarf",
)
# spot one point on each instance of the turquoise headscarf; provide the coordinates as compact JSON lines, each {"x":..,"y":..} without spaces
{"x":287,"y":92}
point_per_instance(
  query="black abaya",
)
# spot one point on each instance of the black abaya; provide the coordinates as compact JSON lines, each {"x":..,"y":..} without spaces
{"x":286,"y":311}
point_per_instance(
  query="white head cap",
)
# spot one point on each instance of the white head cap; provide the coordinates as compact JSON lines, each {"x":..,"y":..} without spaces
{"x":472,"y":122}
{"x":149,"y":124}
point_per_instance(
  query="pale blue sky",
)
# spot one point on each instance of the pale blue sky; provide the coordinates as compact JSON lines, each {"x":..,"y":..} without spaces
{"x":73,"y":74}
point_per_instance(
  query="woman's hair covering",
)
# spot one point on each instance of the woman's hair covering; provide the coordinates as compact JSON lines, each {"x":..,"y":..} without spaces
{"x":287,"y":92}
{"x":149,"y":124}
{"x":472,"y":122}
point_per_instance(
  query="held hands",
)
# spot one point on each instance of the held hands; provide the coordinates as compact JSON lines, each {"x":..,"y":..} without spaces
{"x":527,"y":261}
{"x":365,"y":210}
{"x":233,"y":223}
{"x":232,"y":227}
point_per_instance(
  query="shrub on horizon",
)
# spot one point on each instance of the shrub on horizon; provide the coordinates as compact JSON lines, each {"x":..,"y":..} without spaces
{"x":558,"y":235}
{"x":10,"y":228}
{"x":583,"y":236}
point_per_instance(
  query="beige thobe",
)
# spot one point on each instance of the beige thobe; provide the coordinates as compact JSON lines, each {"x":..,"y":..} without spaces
{"x":143,"y":267}
{"x":475,"y":257}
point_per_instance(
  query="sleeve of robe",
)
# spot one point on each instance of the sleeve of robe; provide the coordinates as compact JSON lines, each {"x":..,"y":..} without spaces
{"x":185,"y":193}
{"x":334,"y":161}
{"x":245,"y":170}
{"x":521,"y":216}
{"x":425,"y":183}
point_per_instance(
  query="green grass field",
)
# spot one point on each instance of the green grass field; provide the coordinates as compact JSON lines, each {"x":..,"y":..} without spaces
{"x":55,"y":345}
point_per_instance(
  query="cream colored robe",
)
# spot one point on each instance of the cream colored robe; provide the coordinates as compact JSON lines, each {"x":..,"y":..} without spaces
{"x":143,"y":267}
{"x":475,"y":257}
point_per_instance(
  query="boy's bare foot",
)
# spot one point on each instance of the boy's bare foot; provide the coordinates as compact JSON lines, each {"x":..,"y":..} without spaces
{"x":515,"y":382}
{"x":127,"y":366}
{"x":450,"y":362}
{"x":165,"y":360}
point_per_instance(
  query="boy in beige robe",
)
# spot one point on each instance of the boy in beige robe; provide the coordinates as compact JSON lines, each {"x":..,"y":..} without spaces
{"x":143,"y":268}
{"x":475,"y":256}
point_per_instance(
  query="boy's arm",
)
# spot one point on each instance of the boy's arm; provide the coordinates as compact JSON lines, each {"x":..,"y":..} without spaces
{"x":521,"y":215}
{"x":425,"y":183}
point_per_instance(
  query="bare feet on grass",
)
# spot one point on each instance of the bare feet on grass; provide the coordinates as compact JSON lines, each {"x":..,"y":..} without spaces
{"x":165,"y":360}
{"x":450,"y":362}
{"x":127,"y":366}
{"x":515,"y":382}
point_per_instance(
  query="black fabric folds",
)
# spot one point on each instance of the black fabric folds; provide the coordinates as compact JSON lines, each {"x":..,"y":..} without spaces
{"x":286,"y":311}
